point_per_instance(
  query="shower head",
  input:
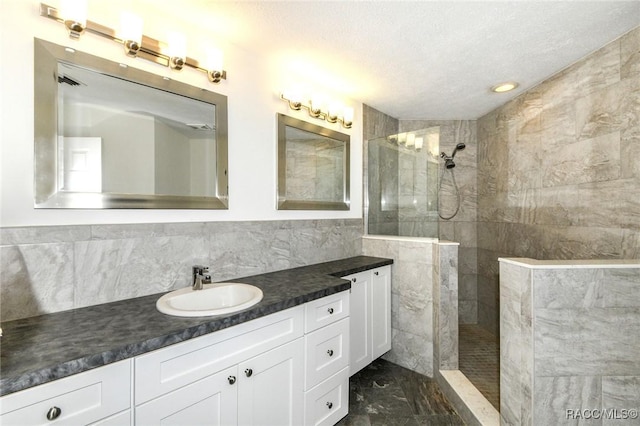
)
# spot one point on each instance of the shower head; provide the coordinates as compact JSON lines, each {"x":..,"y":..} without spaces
{"x":448,"y":160}
{"x":459,"y":147}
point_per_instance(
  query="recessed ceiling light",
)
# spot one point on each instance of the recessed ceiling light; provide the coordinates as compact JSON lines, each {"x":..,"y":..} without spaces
{"x":504,"y":87}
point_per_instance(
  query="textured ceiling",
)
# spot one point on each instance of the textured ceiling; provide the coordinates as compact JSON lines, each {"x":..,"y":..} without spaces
{"x":420,"y":59}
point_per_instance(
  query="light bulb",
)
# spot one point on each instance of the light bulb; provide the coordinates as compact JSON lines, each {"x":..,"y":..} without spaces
{"x":177,"y":50}
{"x":131,"y":32}
{"x":74,"y":14}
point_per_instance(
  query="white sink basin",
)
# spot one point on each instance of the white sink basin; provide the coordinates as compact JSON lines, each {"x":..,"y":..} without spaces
{"x":213,"y":299}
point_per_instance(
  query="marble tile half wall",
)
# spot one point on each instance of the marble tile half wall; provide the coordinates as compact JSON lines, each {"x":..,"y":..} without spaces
{"x":423,"y":315}
{"x":570,"y":342}
{"x":55,"y":268}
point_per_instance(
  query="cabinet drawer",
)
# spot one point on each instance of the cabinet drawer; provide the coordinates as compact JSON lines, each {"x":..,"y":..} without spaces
{"x":326,"y":352}
{"x":328,"y":402}
{"x":321,"y":312}
{"x":167,"y":369}
{"x":82,"y":398}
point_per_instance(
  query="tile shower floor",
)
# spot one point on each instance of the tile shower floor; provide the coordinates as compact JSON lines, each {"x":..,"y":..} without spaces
{"x":479,"y":360}
{"x":387,"y":394}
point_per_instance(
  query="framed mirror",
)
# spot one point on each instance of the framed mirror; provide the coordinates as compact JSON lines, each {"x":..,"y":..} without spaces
{"x":313,"y":166}
{"x":112,"y":136}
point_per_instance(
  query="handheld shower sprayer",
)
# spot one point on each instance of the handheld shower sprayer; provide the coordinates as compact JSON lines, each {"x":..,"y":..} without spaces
{"x":449,"y":164}
{"x":448,"y":159}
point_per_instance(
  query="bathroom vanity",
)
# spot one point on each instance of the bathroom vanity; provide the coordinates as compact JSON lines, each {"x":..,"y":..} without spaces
{"x":284,"y":361}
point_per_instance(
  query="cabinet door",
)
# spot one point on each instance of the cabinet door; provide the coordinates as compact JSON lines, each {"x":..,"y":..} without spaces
{"x":80,"y":399}
{"x":360,"y":321}
{"x":381,"y":311}
{"x":210,"y":401}
{"x":270,"y":387}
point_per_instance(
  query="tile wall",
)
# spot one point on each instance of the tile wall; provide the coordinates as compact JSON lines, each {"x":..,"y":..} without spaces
{"x":570,"y":339}
{"x":424,"y":301}
{"x":55,"y":268}
{"x":559,"y":169}
{"x":411,"y":299}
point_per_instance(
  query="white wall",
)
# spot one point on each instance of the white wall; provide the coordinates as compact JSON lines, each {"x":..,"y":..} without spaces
{"x":254,"y":82}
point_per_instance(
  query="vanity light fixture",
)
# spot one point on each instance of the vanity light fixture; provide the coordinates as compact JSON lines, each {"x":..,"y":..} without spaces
{"x":75,"y":17}
{"x":131,"y":33}
{"x":177,"y":50}
{"x":504,"y":87}
{"x":73,"y":14}
{"x":214,"y":64}
{"x":315,"y":108}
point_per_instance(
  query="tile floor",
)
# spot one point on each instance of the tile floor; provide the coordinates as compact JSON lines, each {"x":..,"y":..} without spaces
{"x":479,"y":360}
{"x":387,"y":394}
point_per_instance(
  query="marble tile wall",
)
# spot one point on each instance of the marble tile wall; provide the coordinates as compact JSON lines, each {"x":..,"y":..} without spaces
{"x":570,"y":339}
{"x":445,"y":302}
{"x":412,"y":313}
{"x":559,"y":169}
{"x":462,"y":228}
{"x":55,"y":268}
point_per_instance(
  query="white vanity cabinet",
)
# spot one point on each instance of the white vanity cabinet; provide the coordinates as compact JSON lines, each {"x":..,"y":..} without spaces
{"x":249,"y":374}
{"x":101,"y":396}
{"x":370,"y":316}
{"x":287,"y":368}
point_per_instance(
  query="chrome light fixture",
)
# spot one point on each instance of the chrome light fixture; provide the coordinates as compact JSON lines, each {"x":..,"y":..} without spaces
{"x":214,"y":65}
{"x":177,"y":50}
{"x":73,"y":14}
{"x":75,"y":17}
{"x":314,"y":109}
{"x":131,"y":33}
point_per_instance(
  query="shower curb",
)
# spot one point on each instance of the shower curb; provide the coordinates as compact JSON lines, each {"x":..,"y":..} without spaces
{"x":471,"y":405}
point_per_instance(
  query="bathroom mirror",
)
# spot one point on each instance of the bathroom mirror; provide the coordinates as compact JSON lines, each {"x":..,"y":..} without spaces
{"x":313,"y":166}
{"x":112,"y":136}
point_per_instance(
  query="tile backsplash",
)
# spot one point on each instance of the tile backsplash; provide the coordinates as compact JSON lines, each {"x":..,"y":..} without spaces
{"x":55,"y":268}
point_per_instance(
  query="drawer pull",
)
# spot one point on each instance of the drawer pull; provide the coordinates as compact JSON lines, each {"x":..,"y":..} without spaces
{"x":232,"y":379}
{"x":330,"y":310}
{"x":53,"y":413}
{"x":330,"y":352}
{"x":330,"y":405}
{"x":354,"y":279}
{"x":248,"y":372}
{"x":376,"y":273}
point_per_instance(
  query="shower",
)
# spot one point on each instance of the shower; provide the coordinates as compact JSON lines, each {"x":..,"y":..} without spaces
{"x":448,"y":160}
{"x":449,"y":164}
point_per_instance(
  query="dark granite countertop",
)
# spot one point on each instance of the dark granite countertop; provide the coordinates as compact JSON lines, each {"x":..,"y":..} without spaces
{"x":40,"y":349}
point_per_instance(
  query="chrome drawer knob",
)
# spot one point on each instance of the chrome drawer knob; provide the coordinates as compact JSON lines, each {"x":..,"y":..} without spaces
{"x":248,"y":372}
{"x":53,"y":413}
{"x":330,"y":405}
{"x":376,"y":273}
{"x":330,"y":310}
{"x":354,"y":279}
{"x":232,"y":379}
{"x":330,"y":352}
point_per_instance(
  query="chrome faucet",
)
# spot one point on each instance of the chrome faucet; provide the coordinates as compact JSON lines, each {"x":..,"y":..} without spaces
{"x":200,"y":276}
